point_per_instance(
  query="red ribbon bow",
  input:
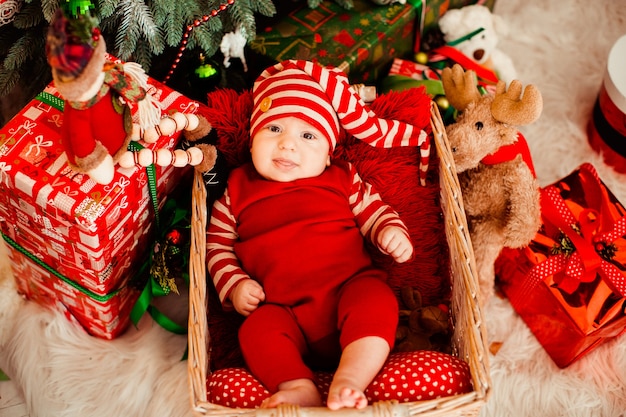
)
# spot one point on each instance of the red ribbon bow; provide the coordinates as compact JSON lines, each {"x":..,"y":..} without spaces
{"x":586,"y":234}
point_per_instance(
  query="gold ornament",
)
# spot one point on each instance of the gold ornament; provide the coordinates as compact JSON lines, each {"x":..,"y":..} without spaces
{"x":442,"y":102}
{"x":421,"y":58}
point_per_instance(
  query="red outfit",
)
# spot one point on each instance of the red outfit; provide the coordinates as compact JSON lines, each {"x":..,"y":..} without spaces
{"x":303,"y":241}
{"x":102,"y":123}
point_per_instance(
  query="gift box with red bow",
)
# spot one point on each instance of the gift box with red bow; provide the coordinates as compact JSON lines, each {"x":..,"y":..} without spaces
{"x":74,"y":244}
{"x":569,"y":283}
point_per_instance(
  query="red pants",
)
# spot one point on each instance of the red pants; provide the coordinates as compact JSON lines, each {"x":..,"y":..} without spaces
{"x":279,"y":343}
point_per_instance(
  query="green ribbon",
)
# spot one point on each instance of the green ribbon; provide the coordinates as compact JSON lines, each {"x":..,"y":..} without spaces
{"x":465,"y":38}
{"x":402,"y":82}
{"x":51,"y":100}
{"x":152,"y":183}
{"x":90,"y":294}
{"x":152,"y":288}
{"x":3,"y":376}
{"x":142,"y":305}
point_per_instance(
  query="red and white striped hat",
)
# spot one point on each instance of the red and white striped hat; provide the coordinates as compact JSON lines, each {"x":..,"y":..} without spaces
{"x":323,"y":97}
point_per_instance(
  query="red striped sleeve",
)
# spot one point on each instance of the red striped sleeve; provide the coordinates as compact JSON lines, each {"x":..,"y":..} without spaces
{"x":371,"y":213}
{"x":222,"y":263}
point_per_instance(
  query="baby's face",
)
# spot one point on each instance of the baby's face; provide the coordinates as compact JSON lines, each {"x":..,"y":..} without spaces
{"x":288,"y":149}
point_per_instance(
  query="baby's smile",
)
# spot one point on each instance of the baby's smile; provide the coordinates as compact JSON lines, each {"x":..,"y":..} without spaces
{"x":284,"y":164}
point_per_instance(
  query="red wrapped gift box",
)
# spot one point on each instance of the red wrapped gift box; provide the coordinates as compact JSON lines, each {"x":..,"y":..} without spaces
{"x":105,"y":316}
{"x":60,"y":223}
{"x":569,"y":284}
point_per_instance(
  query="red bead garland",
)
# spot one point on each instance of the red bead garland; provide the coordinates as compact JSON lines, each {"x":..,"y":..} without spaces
{"x":185,"y":40}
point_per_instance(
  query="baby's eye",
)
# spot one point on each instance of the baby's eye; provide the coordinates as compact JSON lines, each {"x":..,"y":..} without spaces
{"x":274,"y":128}
{"x":308,"y":136}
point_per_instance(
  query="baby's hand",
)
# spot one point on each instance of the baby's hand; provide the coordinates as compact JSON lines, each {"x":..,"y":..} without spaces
{"x":392,"y":240}
{"x":247,"y":296}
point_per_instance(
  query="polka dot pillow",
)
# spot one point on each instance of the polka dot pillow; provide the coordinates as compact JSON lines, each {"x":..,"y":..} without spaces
{"x":406,"y":377}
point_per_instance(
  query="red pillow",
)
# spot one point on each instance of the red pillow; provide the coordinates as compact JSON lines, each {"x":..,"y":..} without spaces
{"x":405,"y":377}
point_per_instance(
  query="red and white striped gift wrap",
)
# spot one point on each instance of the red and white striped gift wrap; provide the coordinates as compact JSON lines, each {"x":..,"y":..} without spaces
{"x":75,"y":244}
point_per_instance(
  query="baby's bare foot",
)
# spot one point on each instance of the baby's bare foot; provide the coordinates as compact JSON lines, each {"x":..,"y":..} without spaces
{"x":345,"y":397}
{"x":302,"y":392}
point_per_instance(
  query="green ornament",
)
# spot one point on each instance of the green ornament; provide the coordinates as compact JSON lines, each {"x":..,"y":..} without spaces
{"x":77,"y":8}
{"x":205,"y":71}
{"x":204,"y":77}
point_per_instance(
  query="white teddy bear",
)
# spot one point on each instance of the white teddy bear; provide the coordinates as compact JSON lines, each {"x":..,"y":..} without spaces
{"x":455,"y":24}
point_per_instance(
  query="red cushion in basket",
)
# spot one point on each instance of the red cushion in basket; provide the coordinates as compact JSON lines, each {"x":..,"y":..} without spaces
{"x":406,"y":377}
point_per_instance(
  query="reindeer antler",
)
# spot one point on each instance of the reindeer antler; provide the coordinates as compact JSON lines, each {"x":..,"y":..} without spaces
{"x":514,"y":108}
{"x":459,"y":86}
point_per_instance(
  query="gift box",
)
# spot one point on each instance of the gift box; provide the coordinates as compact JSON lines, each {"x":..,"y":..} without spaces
{"x":569,"y":283}
{"x":429,"y":74}
{"x":361,"y":41}
{"x":76,"y":244}
{"x":102,"y":315}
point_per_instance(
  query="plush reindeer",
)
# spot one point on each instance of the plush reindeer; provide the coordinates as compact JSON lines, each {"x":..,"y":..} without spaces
{"x":496,"y":174}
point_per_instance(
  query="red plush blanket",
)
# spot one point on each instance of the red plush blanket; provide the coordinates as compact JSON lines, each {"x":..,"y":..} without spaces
{"x":392,"y":172}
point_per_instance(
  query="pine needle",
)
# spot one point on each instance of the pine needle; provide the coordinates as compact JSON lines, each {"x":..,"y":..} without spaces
{"x":21,"y":51}
{"x":49,"y":8}
{"x":136,"y":21}
{"x":106,"y":8}
{"x":137,"y":30}
{"x":8,"y":80}
{"x":143,"y":54}
{"x":29,"y":17}
{"x":206,"y":39}
{"x":264,"y":7}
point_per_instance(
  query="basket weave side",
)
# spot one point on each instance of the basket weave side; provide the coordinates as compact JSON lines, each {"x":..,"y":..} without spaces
{"x":469,"y":339}
{"x":470,"y":335}
{"x":198,"y":328}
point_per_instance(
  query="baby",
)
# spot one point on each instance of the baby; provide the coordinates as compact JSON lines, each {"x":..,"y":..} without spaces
{"x":286,"y":247}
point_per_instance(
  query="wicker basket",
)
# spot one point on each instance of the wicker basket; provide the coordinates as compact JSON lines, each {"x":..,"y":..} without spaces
{"x":468,"y":341}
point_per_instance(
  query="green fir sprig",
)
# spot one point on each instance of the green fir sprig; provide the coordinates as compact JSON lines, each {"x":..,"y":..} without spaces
{"x":135,"y":30}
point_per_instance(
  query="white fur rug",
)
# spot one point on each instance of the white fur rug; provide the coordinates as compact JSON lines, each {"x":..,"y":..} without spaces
{"x":562,"y":48}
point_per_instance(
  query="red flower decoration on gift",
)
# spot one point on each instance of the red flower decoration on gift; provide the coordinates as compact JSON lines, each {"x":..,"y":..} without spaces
{"x":345,"y":39}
